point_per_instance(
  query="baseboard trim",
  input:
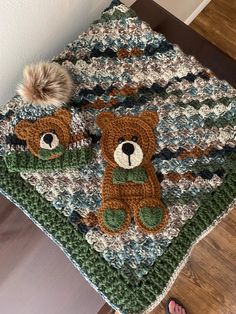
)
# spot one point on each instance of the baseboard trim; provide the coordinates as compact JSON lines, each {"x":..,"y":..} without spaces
{"x":189,"y":19}
{"x":197,"y":11}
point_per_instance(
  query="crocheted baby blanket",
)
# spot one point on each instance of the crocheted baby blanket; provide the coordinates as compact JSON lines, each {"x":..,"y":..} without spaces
{"x":141,"y":89}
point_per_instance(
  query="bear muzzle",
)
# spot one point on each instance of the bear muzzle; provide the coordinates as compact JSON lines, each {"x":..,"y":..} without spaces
{"x":128,"y":155}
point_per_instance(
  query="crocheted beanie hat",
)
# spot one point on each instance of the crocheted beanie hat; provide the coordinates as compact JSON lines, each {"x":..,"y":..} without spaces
{"x":38,"y":135}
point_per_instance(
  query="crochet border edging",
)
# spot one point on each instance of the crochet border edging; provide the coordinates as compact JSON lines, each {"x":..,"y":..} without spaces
{"x":136,"y":300}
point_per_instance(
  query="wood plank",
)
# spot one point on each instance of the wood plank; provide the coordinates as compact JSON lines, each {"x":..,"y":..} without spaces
{"x":207,"y":282}
{"x":217,"y":23}
{"x":190,"y":41}
{"x":106,"y":309}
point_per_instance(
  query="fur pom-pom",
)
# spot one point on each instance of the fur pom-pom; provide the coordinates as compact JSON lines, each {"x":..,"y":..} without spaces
{"x":45,"y":83}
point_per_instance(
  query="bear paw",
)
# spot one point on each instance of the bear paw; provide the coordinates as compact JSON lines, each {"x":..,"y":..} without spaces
{"x":114,"y":217}
{"x":151,"y":216}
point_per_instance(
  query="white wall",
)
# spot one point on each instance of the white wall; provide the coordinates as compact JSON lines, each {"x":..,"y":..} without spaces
{"x":31,"y":30}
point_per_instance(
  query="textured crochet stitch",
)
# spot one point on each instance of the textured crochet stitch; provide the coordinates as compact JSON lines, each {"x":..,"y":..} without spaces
{"x":122,"y":67}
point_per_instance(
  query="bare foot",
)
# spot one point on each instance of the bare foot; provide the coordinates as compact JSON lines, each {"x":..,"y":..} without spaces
{"x":175,"y":308}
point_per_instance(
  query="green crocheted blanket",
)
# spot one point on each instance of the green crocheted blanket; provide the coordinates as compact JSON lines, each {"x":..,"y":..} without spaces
{"x":121,"y":66}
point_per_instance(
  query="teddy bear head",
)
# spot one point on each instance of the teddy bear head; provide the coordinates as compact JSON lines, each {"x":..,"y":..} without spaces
{"x":47,"y":137}
{"x":127,"y":141}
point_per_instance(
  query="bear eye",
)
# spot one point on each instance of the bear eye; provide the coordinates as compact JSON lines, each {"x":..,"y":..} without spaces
{"x":120,"y":140}
{"x":134,"y":138}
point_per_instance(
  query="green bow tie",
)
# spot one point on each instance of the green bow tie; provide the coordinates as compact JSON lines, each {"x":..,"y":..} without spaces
{"x":136,"y":175}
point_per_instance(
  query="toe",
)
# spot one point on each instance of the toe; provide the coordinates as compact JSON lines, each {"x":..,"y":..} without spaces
{"x":172,"y":307}
{"x":177,"y":309}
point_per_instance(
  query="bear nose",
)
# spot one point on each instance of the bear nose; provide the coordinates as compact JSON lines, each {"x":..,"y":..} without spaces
{"x":48,"y":138}
{"x":128,"y":148}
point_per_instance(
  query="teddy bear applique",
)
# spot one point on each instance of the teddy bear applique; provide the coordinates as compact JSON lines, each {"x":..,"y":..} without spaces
{"x":130,"y":188}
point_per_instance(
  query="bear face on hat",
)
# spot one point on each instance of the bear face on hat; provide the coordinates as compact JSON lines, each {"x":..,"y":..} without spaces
{"x":128,"y":141}
{"x":47,"y":137}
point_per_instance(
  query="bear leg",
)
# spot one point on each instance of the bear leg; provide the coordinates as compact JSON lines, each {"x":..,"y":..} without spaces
{"x":114,"y":217}
{"x":151,"y":215}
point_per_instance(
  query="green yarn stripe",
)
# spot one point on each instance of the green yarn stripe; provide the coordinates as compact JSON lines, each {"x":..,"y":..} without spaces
{"x":221,"y":122}
{"x":151,"y":95}
{"x":128,"y":299}
{"x":196,"y":104}
{"x":213,"y":165}
{"x":25,"y":161}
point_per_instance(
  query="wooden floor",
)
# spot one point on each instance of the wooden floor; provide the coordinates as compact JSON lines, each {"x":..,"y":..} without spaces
{"x":217,"y":23}
{"x":207,"y":284}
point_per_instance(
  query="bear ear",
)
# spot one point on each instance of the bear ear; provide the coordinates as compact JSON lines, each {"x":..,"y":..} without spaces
{"x":64,"y":115}
{"x":150,"y":117}
{"x":104,"y":118}
{"x":22,"y":128}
